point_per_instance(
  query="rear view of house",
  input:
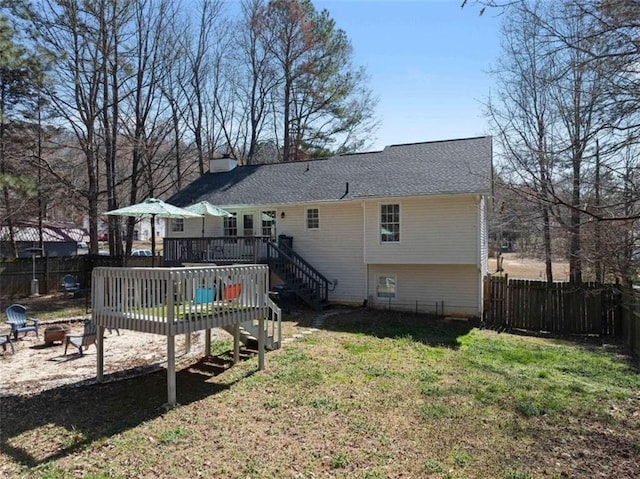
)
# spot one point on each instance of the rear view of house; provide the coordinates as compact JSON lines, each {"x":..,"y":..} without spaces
{"x":403,"y":228}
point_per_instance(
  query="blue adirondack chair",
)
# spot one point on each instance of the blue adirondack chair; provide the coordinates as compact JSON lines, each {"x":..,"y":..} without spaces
{"x":4,"y":340}
{"x":69,"y":284}
{"x":85,"y":340}
{"x":19,"y":322}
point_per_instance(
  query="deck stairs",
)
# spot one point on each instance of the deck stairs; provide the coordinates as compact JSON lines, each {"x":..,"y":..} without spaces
{"x":272,"y":329}
{"x":306,"y":282}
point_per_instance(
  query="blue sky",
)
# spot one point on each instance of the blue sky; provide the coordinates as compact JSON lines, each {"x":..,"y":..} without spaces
{"x":428,"y":61}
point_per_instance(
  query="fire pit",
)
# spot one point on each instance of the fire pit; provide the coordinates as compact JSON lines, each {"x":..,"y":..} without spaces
{"x":56,"y":332}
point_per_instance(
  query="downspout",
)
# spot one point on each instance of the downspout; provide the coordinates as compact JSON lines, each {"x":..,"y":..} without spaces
{"x":364,"y":251}
{"x":479,"y":260}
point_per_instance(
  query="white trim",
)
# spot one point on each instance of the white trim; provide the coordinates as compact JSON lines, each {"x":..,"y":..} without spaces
{"x":351,"y":200}
{"x":364,"y":250}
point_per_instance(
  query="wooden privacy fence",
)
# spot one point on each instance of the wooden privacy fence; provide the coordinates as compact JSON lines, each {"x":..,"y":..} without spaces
{"x":564,"y":308}
{"x":16,"y":274}
{"x":631,"y":320}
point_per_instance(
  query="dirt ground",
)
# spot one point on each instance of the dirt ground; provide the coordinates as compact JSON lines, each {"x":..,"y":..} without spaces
{"x":520,"y":267}
{"x":35,"y":366}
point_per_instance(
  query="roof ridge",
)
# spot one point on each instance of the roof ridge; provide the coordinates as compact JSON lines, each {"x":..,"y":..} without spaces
{"x":354,"y":153}
{"x":438,"y":141}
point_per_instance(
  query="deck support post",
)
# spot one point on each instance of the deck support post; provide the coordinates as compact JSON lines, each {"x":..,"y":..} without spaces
{"x":236,"y":343}
{"x":207,"y":342}
{"x":261,"y":343}
{"x":171,"y":371}
{"x":100,"y":353}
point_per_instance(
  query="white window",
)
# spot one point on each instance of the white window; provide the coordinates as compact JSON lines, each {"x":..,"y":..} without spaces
{"x":390,"y":223}
{"x":177,"y":225}
{"x":230,"y":225}
{"x":313,"y":219}
{"x":386,"y":287}
{"x":268,"y":222}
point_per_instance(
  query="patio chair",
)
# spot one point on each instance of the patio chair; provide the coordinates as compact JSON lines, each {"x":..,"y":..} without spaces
{"x":205,"y":295}
{"x":85,"y":340}
{"x":4,"y":340}
{"x":19,"y":322}
{"x":70,"y":285}
{"x":231,"y":292}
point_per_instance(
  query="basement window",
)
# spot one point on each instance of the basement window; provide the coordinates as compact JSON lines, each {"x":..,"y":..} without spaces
{"x":386,"y":287}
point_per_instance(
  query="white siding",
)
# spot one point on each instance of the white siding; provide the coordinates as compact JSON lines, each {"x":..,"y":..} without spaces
{"x":454,"y":287}
{"x":440,"y":257}
{"x":193,"y":228}
{"x":442,"y":230}
{"x":334,"y":249}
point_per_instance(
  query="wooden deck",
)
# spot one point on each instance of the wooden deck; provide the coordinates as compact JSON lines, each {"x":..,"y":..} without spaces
{"x":172,"y":301}
{"x":221,"y":250}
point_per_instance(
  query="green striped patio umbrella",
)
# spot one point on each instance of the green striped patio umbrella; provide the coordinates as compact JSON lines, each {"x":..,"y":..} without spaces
{"x":205,"y":208}
{"x":153,"y":208}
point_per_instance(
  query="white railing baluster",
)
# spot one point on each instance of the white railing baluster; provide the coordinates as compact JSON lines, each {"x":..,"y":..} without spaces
{"x":172,"y":301}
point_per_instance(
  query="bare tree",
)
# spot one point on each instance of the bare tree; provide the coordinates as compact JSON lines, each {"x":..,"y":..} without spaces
{"x":196,"y":47}
{"x":71,"y":34}
{"x":147,"y":124}
{"x":523,"y":114}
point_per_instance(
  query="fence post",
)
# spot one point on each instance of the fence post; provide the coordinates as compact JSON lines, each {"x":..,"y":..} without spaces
{"x":46,"y":278}
{"x":630,"y":317}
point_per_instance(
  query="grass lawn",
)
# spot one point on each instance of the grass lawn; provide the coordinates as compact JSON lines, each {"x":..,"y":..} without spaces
{"x":371,"y":395}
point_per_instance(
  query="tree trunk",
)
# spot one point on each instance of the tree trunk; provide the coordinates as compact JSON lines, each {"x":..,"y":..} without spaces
{"x":575,"y":253}
{"x":597,"y":231}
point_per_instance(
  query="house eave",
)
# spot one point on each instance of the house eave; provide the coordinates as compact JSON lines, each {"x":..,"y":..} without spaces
{"x":355,"y":199}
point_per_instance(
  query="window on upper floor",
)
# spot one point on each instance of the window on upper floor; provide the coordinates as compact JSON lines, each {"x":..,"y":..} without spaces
{"x":390,"y":223}
{"x":386,"y":286}
{"x":313,"y":219}
{"x":177,"y":225}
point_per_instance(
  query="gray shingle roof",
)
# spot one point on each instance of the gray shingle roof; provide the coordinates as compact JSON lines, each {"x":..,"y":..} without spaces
{"x":434,"y":168}
{"x":27,"y":230}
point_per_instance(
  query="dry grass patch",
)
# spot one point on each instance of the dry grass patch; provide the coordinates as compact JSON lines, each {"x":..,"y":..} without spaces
{"x":372,"y":395}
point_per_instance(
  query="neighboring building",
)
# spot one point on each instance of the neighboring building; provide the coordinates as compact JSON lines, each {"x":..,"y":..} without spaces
{"x":404,"y":228}
{"x":60,"y":239}
{"x":141,"y":230}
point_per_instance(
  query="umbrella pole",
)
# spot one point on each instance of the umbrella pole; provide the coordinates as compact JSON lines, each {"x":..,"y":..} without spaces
{"x":153,"y":240}
{"x":203,"y":226}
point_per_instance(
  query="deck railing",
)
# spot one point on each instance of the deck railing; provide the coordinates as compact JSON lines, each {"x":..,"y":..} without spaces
{"x":307,"y":282}
{"x":220,"y":250}
{"x":171,"y":301}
